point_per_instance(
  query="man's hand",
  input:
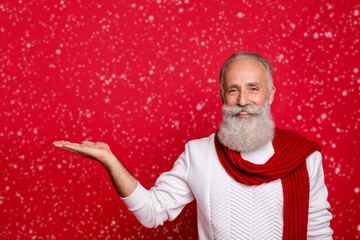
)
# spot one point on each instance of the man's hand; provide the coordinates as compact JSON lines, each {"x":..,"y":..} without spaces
{"x":122,"y":179}
{"x":98,"y":151}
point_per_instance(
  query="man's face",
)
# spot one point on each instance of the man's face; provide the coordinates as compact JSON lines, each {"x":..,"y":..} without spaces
{"x":245,"y":81}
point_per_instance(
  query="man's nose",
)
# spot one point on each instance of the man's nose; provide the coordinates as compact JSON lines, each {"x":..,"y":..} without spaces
{"x":242,"y":99}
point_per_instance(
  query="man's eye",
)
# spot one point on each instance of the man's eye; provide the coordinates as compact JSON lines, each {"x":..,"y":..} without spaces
{"x":253,"y":89}
{"x":232,"y":91}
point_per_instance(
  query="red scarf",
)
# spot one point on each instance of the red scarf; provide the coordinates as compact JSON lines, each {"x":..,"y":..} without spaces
{"x":287,"y":163}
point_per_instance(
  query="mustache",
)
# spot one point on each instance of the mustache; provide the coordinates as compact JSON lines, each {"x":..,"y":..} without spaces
{"x":236,"y":109}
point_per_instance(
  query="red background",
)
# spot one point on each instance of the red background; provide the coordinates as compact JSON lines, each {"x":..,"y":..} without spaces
{"x":143,"y":77}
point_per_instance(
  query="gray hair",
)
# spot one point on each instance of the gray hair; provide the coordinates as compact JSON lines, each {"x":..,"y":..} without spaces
{"x":247,"y":55}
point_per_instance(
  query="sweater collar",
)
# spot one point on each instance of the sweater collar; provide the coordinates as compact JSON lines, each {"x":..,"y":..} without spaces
{"x":260,"y":155}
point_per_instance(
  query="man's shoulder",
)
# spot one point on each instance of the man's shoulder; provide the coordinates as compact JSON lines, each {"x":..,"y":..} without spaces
{"x":203,"y":140}
{"x":200,"y":153}
{"x":201,"y":144}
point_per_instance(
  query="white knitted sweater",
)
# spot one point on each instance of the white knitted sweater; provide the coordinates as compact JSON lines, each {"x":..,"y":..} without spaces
{"x":227,"y":209}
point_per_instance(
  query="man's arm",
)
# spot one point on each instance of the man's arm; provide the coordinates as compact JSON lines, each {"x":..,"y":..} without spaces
{"x":151,"y":207}
{"x":123,"y":181}
{"x":319,"y":215}
{"x":166,"y":199}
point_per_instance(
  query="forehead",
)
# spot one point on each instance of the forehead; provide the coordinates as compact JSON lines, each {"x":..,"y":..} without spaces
{"x":245,"y":70}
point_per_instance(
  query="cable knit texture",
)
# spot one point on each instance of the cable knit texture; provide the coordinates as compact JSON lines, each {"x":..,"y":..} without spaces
{"x":227,"y":209}
{"x":288,"y":163}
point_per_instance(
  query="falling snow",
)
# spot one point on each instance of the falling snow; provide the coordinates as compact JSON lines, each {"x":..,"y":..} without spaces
{"x":143,"y":77}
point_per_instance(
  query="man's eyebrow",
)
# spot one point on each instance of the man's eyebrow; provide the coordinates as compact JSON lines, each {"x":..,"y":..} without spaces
{"x":256,"y":84}
{"x":232,"y":86}
{"x":251,"y":84}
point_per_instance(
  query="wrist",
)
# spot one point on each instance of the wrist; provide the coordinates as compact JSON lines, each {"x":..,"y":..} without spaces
{"x":109,"y":161}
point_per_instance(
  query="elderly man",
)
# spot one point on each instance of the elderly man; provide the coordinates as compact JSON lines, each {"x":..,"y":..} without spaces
{"x":251,"y":180}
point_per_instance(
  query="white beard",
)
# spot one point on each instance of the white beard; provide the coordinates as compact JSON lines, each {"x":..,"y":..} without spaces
{"x":246,"y":134}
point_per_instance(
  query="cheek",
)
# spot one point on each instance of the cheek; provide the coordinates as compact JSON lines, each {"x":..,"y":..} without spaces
{"x":230,"y":100}
{"x":260,"y":99}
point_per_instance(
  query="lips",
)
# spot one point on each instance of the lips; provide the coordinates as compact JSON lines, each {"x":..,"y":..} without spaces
{"x":244,"y":114}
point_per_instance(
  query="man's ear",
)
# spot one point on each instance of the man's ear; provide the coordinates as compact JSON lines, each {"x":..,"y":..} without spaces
{"x":222,"y":97}
{"x":271,"y":95}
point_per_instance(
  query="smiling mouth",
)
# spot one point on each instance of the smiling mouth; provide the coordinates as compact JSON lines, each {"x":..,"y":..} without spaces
{"x":244,"y":115}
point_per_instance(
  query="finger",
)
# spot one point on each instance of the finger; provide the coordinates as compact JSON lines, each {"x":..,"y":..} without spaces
{"x":61,"y":143}
{"x":76,"y":151}
{"x":67,"y":146}
{"x":86,"y":143}
{"x":70,"y":149}
{"x":101,"y":145}
{"x":74,"y":146}
{"x":57,"y":143}
{"x":77,"y":148}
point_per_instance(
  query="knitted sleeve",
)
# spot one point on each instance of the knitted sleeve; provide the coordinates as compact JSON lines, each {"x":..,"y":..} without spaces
{"x":166,"y":199}
{"x":319,"y":215}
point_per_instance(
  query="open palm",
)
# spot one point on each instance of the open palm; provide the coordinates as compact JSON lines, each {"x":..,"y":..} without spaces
{"x":95,"y":150}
